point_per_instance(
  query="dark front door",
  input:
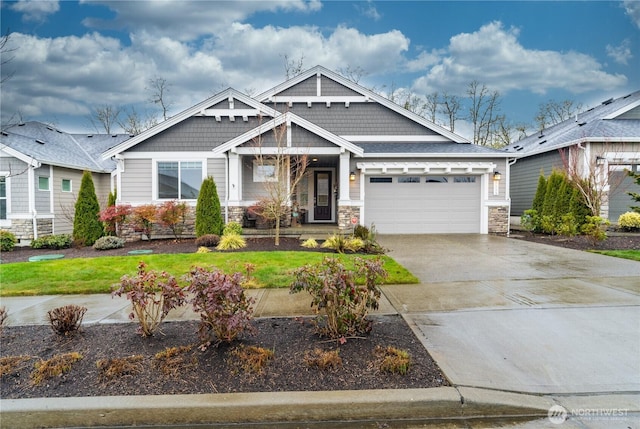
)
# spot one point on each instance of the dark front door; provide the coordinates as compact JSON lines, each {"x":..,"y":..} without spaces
{"x":322,"y":195}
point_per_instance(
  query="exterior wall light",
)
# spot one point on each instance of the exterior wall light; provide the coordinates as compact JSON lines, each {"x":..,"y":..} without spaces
{"x":600,"y":160}
{"x":497,"y":176}
{"x":496,"y":182}
{"x":352,"y":176}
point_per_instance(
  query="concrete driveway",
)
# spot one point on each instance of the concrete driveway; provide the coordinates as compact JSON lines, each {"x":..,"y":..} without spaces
{"x":511,"y":315}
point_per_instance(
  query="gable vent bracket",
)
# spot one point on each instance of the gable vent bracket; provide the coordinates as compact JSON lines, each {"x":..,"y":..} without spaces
{"x":346,"y":104}
{"x":328,"y":104}
{"x":230,"y":102}
{"x":309,"y":103}
{"x":218,"y":118}
{"x":232,"y":118}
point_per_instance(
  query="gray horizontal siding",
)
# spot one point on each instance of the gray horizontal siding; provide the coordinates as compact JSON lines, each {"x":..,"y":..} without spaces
{"x":330,"y":87}
{"x":620,"y":201}
{"x":524,"y":178}
{"x":305,"y":88}
{"x":196,"y":134}
{"x":216,"y":168}
{"x":359,"y":119}
{"x":250,"y":190}
{"x":136,"y":181}
{"x":19,"y":184}
{"x":64,"y":202}
{"x":43,"y":198}
{"x":302,"y":137}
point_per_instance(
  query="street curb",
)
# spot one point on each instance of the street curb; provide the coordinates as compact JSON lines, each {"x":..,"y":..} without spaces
{"x":270,"y":407}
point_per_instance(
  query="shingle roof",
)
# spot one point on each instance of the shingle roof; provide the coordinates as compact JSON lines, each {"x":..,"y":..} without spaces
{"x":427,"y":148}
{"x":602,"y":123}
{"x":55,"y":147}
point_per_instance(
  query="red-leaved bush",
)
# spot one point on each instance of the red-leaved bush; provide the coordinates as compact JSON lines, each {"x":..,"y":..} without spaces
{"x":225,"y":311}
{"x":143,"y":218}
{"x":114,"y":218}
{"x":173,"y":215}
{"x":152,"y":296}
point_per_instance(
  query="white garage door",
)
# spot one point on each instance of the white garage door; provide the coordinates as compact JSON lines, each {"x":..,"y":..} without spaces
{"x":423,"y":204}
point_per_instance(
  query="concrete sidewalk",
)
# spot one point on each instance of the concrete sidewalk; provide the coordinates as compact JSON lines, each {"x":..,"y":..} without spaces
{"x":516,"y":327}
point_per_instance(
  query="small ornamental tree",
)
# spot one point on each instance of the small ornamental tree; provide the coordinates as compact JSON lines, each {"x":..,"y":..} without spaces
{"x":208,"y":212}
{"x":109,"y":225}
{"x":173,"y":215}
{"x":634,"y":195}
{"x":87,"y":227}
{"x":114,"y":217}
{"x":143,"y":218}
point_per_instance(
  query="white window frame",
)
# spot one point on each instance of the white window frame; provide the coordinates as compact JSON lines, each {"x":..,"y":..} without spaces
{"x":7,"y":197}
{"x":48,"y":183}
{"x":70,"y":185}
{"x":156,"y":186}
{"x":259,"y":173}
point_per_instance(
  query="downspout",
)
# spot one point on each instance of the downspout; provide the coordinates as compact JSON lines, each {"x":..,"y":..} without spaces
{"x":228,"y":189}
{"x":31,"y":182}
{"x":508,"y":194}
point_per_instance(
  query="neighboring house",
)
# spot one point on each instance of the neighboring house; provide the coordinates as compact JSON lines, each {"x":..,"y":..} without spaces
{"x":600,"y":143}
{"x":370,"y":161}
{"x":40,"y":173}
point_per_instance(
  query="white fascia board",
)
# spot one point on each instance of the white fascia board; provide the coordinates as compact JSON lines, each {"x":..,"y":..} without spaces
{"x":585,"y":140}
{"x":429,"y":138}
{"x":437,"y":167}
{"x":318,"y":99}
{"x":295,"y":119}
{"x":622,"y":110}
{"x":438,"y":155}
{"x":265,"y":96}
{"x":289,"y":150}
{"x":229,"y":112}
{"x":192,"y":111}
{"x":168,"y":155}
{"x":21,"y":156}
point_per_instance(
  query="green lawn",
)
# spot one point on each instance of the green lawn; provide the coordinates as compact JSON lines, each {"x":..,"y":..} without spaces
{"x":626,"y":254}
{"x":97,"y":275}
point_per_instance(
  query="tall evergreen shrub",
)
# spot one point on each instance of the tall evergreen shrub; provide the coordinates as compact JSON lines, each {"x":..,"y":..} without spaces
{"x":87,"y":227}
{"x":208,"y":212}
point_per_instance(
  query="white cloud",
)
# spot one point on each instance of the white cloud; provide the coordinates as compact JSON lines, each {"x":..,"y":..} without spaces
{"x":369,"y":10}
{"x":632,"y":8}
{"x":188,"y":20}
{"x":36,"y":10}
{"x":621,"y":54}
{"x":495,"y":57}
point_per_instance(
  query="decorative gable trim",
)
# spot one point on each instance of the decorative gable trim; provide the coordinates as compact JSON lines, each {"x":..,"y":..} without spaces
{"x":426,"y":167}
{"x":203,"y":108}
{"x":623,"y":110}
{"x":368,"y":95}
{"x":289,"y":118}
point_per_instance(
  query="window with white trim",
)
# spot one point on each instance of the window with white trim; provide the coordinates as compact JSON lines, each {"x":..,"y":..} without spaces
{"x":43,"y":183}
{"x":3,"y":198}
{"x":265,"y":171}
{"x":179,"y":180}
{"x":66,"y":185}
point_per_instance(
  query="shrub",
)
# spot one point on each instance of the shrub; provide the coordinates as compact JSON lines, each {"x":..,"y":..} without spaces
{"x":109,"y":242}
{"x":143,"y":218}
{"x":114,"y":217}
{"x":361,"y":232}
{"x":66,"y":319}
{"x":629,"y":221}
{"x":530,"y":220}
{"x":224,"y":309}
{"x":334,"y":290}
{"x":208,"y":212}
{"x":231,"y":242}
{"x":232,"y":228}
{"x":13,"y":364}
{"x":7,"y":241}
{"x":86,"y":224}
{"x":335,"y":242}
{"x":173,"y":215}
{"x":58,"y":241}
{"x":310,"y":243}
{"x":354,"y":244}
{"x":208,"y":240}
{"x":203,"y":249}
{"x":595,"y":228}
{"x":152,"y":296}
{"x":393,"y":360}
{"x":323,"y":359}
{"x":111,"y":368}
{"x":251,"y":359}
{"x":54,"y":367}
{"x":568,"y":225}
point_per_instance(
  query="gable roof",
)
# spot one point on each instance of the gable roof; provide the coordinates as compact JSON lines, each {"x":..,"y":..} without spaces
{"x":272,"y":95}
{"x":200,"y":109}
{"x":614,"y":120}
{"x":48,"y":145}
{"x":295,"y":119}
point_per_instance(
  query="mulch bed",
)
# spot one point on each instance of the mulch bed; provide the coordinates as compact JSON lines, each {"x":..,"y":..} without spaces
{"x":614,"y":241}
{"x":214,"y":370}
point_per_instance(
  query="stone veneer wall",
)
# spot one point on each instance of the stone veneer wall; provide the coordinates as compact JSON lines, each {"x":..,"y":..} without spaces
{"x":236,"y":214}
{"x":499,"y":220}
{"x":345,"y":214}
{"x":23,"y":228}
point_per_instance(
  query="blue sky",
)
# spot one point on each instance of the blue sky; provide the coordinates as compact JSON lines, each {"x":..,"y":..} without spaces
{"x":68,"y":57}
